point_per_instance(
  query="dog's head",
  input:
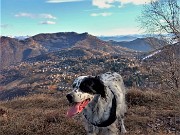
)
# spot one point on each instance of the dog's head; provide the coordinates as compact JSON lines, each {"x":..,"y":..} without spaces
{"x":84,"y":90}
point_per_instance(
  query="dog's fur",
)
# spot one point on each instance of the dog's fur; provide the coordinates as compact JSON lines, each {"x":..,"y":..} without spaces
{"x":107,"y":106}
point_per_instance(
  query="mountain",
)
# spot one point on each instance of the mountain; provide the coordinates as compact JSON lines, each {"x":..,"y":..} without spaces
{"x":88,"y":46}
{"x":61,"y":40}
{"x":21,"y":37}
{"x":141,"y":44}
{"x":64,"y":40}
{"x":57,"y":69}
{"x":166,"y":53}
{"x":47,"y":62}
{"x":14,"y":50}
{"x":119,"y":38}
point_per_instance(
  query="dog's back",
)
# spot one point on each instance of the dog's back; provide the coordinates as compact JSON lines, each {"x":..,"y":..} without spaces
{"x":115,"y":83}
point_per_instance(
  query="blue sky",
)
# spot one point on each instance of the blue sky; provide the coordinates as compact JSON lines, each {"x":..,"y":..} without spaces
{"x":97,"y":17}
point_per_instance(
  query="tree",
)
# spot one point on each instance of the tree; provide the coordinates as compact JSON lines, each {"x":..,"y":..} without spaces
{"x":161,"y":17}
{"x":164,"y":67}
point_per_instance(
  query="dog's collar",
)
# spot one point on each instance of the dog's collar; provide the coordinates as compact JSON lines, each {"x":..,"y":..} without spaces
{"x":112,"y":116}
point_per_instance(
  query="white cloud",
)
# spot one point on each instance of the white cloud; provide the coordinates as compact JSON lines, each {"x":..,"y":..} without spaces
{"x":47,"y":22}
{"x":47,"y":16}
{"x":25,"y":15}
{"x":62,"y":1}
{"x":136,"y":2}
{"x":103,"y":3}
{"x":101,"y":14}
{"x":30,"y":15}
{"x":111,"y":3}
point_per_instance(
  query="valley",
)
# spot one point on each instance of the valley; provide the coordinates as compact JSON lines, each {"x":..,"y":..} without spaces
{"x":37,"y":72}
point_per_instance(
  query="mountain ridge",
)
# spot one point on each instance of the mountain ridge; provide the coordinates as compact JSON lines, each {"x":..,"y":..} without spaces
{"x":141,"y":44}
{"x":14,"y":50}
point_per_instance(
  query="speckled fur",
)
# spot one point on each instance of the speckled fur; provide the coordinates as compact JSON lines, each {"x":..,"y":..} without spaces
{"x":99,"y":108}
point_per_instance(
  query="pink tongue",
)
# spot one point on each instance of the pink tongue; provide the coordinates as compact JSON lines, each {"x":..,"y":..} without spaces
{"x":77,"y":108}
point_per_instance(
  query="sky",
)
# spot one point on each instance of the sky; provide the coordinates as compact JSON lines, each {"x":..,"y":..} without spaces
{"x":97,"y":17}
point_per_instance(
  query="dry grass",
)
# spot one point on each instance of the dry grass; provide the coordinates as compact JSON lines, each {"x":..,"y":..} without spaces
{"x":38,"y":115}
{"x":148,"y":113}
{"x":151,"y":113}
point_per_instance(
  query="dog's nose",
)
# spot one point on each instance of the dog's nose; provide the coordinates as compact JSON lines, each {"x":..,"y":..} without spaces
{"x":70,"y":98}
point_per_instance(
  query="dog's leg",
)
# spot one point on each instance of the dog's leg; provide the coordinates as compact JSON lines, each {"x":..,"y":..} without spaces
{"x":91,"y":134}
{"x":110,"y":130}
{"x":90,"y":129}
{"x":121,"y":124}
{"x":123,"y":129}
{"x":113,"y":129}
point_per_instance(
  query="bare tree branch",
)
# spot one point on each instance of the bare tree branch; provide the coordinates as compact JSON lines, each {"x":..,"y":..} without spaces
{"x":163,"y":18}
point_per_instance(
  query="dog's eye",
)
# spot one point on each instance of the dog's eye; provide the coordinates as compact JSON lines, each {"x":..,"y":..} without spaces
{"x":74,"y":85}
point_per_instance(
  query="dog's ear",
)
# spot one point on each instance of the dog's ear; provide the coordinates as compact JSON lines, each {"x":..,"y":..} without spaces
{"x":99,"y":87}
{"x":93,"y":85}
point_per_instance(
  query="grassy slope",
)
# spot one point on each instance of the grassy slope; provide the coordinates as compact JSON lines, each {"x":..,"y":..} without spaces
{"x":148,"y":113}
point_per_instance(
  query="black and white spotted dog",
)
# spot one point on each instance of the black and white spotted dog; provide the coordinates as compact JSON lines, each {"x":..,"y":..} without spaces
{"x":101,"y":100}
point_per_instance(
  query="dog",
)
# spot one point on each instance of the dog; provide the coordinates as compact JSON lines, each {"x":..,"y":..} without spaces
{"x":101,"y":101}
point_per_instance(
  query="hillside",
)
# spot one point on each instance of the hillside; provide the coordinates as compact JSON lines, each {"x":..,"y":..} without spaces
{"x":162,"y":65}
{"x":58,"y":69}
{"x":141,"y":44}
{"x":164,"y":53}
{"x":149,"y":112}
{"x":55,"y":41}
{"x":14,"y":50}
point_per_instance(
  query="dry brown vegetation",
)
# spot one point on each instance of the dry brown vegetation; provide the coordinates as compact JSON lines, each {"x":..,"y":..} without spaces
{"x":153,"y":112}
{"x":149,"y":112}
